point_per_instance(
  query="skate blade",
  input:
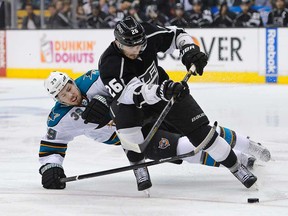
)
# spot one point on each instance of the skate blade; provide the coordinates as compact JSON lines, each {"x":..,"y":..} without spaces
{"x":147,"y":193}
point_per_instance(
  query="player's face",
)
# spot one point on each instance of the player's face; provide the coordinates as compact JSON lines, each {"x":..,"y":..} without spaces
{"x":197,"y":8}
{"x":132,"y":52}
{"x":70,"y":95}
{"x":279,"y":4}
{"x":244,"y":7}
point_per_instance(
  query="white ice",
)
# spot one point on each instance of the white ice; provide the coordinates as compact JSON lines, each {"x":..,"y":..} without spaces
{"x":260,"y":111}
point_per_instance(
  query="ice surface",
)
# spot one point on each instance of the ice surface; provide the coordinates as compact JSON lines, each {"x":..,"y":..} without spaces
{"x":260,"y":111}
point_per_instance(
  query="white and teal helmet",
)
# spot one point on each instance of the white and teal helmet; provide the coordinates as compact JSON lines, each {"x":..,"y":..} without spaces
{"x":55,"y":83}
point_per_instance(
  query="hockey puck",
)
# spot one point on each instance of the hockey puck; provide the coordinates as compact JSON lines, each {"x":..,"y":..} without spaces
{"x":253,"y":200}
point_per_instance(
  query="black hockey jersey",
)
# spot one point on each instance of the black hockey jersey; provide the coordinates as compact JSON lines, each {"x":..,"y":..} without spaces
{"x":119,"y":72}
{"x":278,"y":18}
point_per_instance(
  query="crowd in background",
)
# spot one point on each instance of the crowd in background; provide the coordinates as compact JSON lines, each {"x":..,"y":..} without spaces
{"x":182,"y":13}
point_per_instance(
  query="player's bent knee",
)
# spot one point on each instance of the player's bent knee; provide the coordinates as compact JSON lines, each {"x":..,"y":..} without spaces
{"x":163,"y":145}
{"x":198,"y":135}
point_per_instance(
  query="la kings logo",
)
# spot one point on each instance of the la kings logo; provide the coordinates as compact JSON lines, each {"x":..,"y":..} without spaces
{"x":151,"y":75}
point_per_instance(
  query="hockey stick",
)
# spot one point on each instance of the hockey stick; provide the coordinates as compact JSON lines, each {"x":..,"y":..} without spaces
{"x":146,"y":164}
{"x":142,"y":146}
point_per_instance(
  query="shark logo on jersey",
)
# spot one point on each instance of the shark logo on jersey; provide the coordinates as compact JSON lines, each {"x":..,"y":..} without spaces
{"x":150,"y":75}
{"x":164,"y":143}
{"x":89,"y":74}
{"x":52,"y":116}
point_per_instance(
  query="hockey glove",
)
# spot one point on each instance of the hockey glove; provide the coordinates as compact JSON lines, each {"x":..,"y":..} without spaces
{"x":191,"y":54}
{"x":168,"y":89}
{"x":97,"y":112}
{"x":51,"y":174}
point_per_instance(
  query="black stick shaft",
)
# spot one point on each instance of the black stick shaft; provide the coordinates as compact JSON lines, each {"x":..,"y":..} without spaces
{"x":126,"y":168}
{"x":146,"y":164}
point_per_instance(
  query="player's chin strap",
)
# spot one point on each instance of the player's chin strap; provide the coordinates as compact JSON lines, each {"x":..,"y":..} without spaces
{"x":146,"y":164}
{"x":142,"y":146}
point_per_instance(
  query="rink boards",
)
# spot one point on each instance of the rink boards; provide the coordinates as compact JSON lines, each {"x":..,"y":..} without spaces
{"x":235,"y":55}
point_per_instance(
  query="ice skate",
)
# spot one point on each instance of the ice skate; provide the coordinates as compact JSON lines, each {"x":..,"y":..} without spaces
{"x":247,"y":160}
{"x":259,"y":151}
{"x":244,"y":176}
{"x":142,"y":178}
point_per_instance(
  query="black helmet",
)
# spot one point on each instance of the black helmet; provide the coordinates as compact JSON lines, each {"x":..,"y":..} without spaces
{"x":130,"y":33}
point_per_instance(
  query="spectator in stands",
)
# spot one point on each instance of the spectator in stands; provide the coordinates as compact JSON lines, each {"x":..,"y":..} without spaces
{"x":248,"y":17}
{"x":179,"y":20}
{"x":104,"y":4}
{"x":224,"y":17}
{"x":62,"y":16}
{"x":67,"y":9}
{"x":125,"y":5}
{"x":31,"y":21}
{"x":51,"y":18}
{"x":114,"y":15}
{"x":279,"y":15}
{"x":97,"y":18}
{"x":199,"y":17}
{"x":135,"y":12}
{"x":81,"y":17}
{"x":156,"y":17}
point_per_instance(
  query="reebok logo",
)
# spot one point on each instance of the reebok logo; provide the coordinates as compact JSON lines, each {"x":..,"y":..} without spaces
{"x":271,"y":55}
{"x":271,"y":51}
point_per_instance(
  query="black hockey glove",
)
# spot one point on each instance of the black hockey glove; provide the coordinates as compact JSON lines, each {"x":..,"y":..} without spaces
{"x":191,"y":54}
{"x":168,"y":89}
{"x":51,"y":174}
{"x":97,"y":111}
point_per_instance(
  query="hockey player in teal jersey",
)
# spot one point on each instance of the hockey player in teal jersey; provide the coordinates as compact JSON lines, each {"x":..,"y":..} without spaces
{"x":64,"y":121}
{"x":87,"y":96}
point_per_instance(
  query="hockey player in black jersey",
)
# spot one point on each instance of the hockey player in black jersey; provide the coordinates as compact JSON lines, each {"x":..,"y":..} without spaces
{"x":129,"y":70}
{"x":279,"y":15}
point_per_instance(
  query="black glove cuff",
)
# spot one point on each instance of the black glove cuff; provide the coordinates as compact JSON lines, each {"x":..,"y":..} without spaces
{"x":48,"y":166}
{"x":189,"y":48}
{"x":161,"y":90}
